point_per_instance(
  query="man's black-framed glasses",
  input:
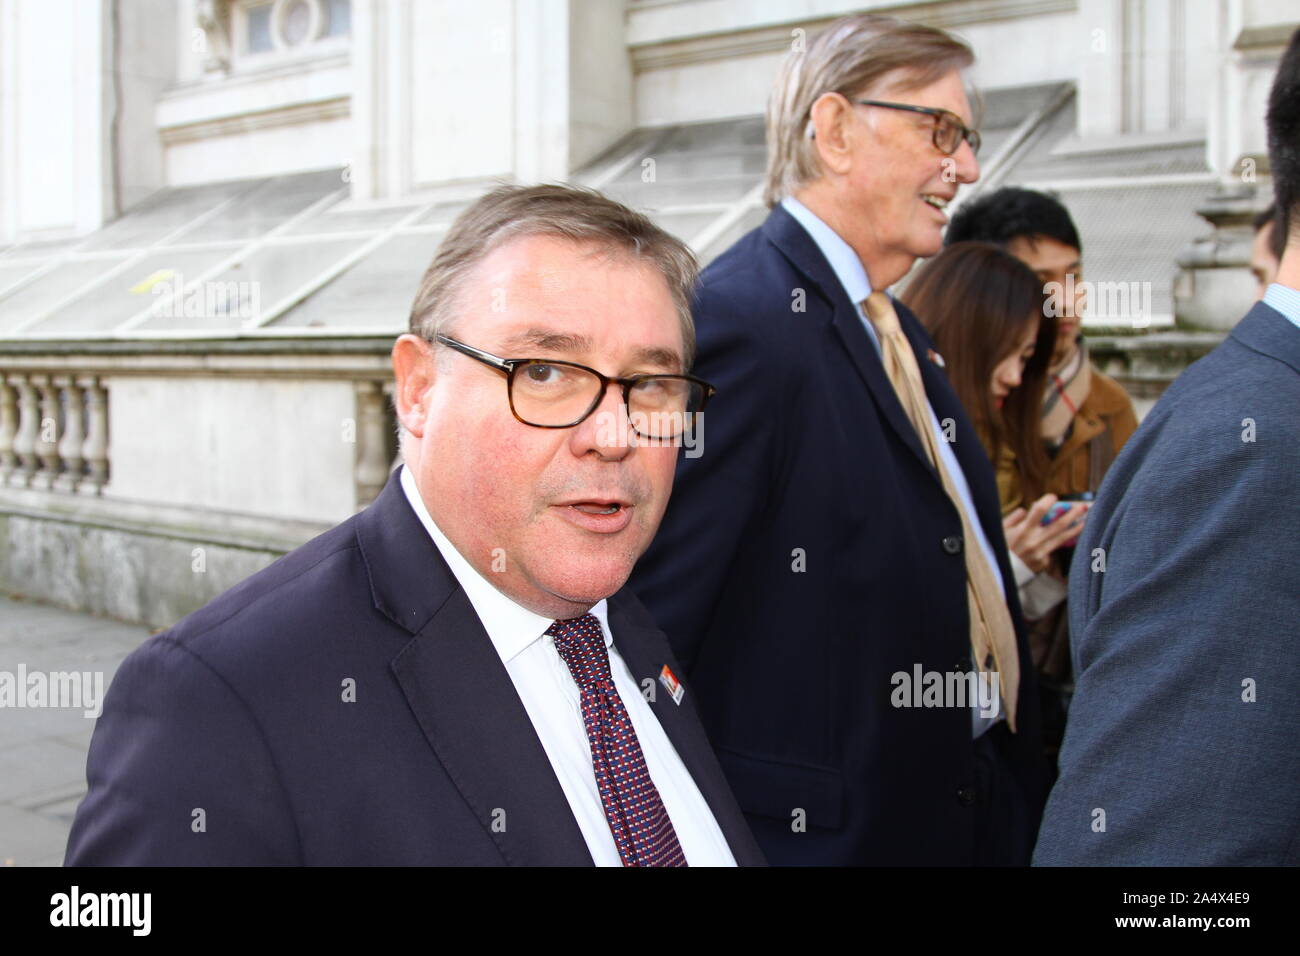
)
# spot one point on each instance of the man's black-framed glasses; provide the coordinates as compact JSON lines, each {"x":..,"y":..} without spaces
{"x":949,"y":130}
{"x":549,"y":393}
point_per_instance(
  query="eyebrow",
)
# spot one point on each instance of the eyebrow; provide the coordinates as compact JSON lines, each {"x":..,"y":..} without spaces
{"x":664,"y":358}
{"x":548,"y":340}
{"x":1074,"y":266}
{"x":551,"y":340}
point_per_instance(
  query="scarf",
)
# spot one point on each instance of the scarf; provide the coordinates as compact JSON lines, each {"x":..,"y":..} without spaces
{"x":1067,"y":387}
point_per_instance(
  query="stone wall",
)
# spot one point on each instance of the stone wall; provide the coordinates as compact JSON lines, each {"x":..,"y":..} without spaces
{"x":136,"y":575}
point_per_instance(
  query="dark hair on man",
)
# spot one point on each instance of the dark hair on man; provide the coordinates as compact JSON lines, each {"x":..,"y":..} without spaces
{"x":1283,"y":122}
{"x":1276,"y":238}
{"x":1262,"y":219}
{"x":1012,"y":213}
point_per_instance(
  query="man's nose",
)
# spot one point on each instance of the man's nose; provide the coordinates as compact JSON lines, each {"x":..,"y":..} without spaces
{"x":607,"y":430}
{"x":1080,"y":300}
{"x":968,"y":167}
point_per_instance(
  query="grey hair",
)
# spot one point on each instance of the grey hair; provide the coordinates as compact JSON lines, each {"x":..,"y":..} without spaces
{"x":553,"y":209}
{"x":848,"y":57}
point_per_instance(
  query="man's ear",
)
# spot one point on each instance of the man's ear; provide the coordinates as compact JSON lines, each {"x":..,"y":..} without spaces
{"x":414,"y":369}
{"x":830,"y":119}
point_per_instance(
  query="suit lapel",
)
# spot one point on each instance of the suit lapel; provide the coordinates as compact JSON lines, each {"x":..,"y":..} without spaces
{"x":966,"y":447}
{"x":469,"y":710}
{"x":846,"y":318}
{"x":646,"y":652}
{"x":460,"y":694}
{"x":784,"y":231}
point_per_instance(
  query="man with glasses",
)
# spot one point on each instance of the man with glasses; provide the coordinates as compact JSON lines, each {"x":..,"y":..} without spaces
{"x":456,"y":675}
{"x":832,"y":570}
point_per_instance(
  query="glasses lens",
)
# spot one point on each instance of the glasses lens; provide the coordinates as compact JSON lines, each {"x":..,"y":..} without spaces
{"x":951,"y":131}
{"x":548,"y":394}
{"x":947,"y":133}
{"x":664,"y":406}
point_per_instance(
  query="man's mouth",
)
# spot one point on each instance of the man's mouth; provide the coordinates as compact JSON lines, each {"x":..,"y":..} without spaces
{"x":603,"y":516}
{"x":938,"y":202}
{"x":597,"y":508}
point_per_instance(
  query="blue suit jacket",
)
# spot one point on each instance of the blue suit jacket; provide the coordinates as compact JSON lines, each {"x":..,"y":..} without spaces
{"x":235,"y":717}
{"x":808,"y":555}
{"x":1196,"y":612}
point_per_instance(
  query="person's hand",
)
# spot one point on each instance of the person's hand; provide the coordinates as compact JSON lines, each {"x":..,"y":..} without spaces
{"x":1033,"y":542}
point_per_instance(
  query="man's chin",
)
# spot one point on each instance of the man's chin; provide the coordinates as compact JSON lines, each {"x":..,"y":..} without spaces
{"x":582,"y":586}
{"x":928,"y":245}
{"x":1066,"y":343}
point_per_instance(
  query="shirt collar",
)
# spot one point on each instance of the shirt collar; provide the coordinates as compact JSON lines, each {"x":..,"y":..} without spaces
{"x":844,"y":261}
{"x":511,"y":627}
{"x":1286,"y":300}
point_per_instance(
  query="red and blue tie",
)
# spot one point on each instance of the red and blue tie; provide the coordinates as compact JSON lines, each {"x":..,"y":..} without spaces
{"x":642,"y":831}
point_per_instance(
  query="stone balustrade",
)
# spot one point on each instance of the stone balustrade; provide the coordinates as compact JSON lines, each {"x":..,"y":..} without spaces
{"x":196,"y":409}
{"x":53,"y":431}
{"x":139,"y":479}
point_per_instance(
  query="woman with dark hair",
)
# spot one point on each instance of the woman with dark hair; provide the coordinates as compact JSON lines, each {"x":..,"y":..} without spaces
{"x":984,"y":309}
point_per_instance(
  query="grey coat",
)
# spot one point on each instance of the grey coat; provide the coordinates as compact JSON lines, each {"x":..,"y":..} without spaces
{"x":1183,"y":739}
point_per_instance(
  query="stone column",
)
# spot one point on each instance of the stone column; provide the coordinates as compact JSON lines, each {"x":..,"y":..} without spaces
{"x":29,"y":418}
{"x":8,"y":430}
{"x":1214,"y":286}
{"x":372,"y":465}
{"x":47,"y":439}
{"x":95,"y":449}
{"x":74,"y":433}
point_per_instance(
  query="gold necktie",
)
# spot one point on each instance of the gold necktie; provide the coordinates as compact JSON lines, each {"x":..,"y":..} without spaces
{"x":991,"y":630}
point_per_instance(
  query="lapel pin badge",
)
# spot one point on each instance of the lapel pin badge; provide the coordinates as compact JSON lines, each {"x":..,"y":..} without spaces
{"x":935,"y":357}
{"x":672,"y":684}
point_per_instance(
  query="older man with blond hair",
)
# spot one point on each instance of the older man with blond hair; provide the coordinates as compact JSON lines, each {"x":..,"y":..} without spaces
{"x":456,"y":675}
{"x":832,"y":570}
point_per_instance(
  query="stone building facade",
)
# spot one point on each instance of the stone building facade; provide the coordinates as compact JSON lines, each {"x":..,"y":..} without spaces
{"x":214,"y":214}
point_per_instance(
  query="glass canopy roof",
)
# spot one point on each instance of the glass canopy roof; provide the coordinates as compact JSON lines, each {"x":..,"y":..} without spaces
{"x":294,"y":255}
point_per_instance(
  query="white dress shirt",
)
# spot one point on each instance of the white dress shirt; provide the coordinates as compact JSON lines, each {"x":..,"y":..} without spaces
{"x":852,"y":274}
{"x":553,"y":702}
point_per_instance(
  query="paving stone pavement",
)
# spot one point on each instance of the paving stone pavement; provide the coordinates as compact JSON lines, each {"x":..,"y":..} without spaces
{"x":43,"y":749}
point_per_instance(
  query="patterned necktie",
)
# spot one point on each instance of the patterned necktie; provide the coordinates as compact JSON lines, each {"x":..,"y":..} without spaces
{"x":991,"y":629}
{"x":642,"y":831}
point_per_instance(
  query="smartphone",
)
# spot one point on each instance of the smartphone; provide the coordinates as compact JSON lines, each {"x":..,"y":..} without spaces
{"x":1064,"y":505}
{"x":1054,"y":512}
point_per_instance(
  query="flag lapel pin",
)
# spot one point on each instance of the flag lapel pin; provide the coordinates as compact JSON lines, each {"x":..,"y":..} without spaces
{"x":672,"y":684}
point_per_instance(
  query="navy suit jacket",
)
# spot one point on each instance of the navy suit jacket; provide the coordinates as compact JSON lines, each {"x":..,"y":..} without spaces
{"x":226,"y":740}
{"x":1184,"y":617}
{"x":808,"y":555}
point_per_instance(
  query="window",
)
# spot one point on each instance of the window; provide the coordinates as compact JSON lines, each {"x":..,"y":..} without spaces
{"x":276,"y":28}
{"x":259,"y":29}
{"x":338,"y":18}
